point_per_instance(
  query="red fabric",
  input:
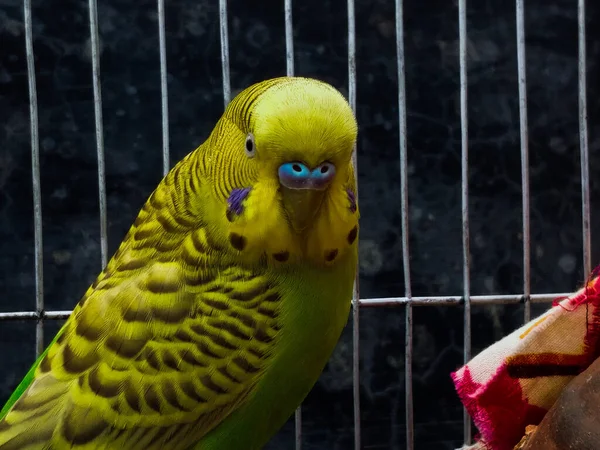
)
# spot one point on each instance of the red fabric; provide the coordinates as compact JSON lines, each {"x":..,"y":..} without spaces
{"x":491,"y":415}
{"x":514,"y":382}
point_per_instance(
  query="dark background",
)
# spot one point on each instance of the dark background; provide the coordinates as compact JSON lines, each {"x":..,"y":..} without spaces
{"x":132,"y":125}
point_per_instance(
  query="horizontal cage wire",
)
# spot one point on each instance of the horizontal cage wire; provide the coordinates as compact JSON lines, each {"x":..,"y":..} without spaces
{"x":407,"y":301}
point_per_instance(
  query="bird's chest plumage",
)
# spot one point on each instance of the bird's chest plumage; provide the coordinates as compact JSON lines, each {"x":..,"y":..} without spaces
{"x":312,"y":313}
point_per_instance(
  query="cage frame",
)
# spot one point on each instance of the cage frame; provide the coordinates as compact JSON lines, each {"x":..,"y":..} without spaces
{"x":407,"y":301}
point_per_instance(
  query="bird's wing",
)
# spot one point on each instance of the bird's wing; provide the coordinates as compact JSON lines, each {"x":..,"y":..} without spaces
{"x":156,"y":354}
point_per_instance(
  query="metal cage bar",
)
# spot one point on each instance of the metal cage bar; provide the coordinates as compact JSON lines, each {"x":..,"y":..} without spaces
{"x":355,"y":291}
{"x":289,"y":38}
{"x":408,"y":340}
{"x":524,"y":133}
{"x":454,"y":300}
{"x":35,"y":178}
{"x":164,"y":95}
{"x":224,"y":33}
{"x":408,"y":301}
{"x":464,"y":132}
{"x":583,"y":141}
{"x":95,"y":52}
{"x":442,"y":300}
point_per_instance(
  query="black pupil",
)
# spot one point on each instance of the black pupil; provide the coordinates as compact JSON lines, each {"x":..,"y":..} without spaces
{"x":249,"y":145}
{"x":324,"y":169}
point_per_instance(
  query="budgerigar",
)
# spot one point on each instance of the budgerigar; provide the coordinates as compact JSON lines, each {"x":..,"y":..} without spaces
{"x":219,"y":310}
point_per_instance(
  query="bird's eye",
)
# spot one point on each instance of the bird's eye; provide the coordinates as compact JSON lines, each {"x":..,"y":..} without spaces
{"x":250,"y":146}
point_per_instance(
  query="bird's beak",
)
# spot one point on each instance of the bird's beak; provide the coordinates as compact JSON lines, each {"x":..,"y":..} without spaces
{"x":303,"y":190}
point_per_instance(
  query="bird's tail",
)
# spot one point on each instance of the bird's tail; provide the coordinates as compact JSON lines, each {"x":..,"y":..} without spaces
{"x":30,"y":423}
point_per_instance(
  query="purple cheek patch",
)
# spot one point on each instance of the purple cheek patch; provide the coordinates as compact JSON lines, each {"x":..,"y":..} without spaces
{"x":235,"y":202}
{"x":352,"y":199}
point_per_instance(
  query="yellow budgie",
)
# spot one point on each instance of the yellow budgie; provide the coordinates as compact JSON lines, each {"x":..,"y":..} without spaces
{"x":220,"y":308}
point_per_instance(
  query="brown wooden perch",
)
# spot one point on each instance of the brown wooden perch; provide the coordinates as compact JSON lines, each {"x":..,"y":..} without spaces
{"x":573,"y":422}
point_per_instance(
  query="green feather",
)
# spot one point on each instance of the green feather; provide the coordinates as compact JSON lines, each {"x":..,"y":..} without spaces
{"x":24,"y":384}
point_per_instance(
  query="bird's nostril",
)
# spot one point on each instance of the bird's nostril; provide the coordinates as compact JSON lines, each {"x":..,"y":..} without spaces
{"x":297,"y":175}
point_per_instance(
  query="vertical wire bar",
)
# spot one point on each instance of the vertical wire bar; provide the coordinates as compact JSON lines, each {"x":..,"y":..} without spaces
{"x":408,"y":375}
{"x":35,"y":179}
{"x":583,"y":142}
{"x":522,"y":75}
{"x":164,"y":96}
{"x":94,"y":42}
{"x":289,"y":38}
{"x":289,"y":68}
{"x":356,"y":291}
{"x":352,"y":61}
{"x":462,"y":30}
{"x":224,"y":51}
{"x":408,"y":350}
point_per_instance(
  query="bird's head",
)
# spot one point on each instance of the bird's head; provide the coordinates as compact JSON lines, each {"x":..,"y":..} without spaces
{"x":282,"y":164}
